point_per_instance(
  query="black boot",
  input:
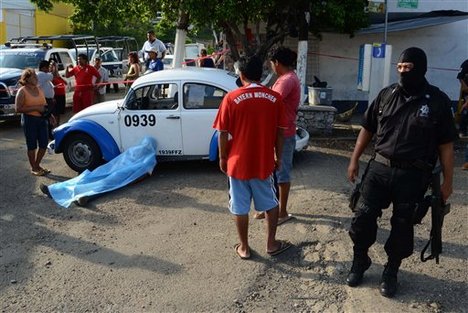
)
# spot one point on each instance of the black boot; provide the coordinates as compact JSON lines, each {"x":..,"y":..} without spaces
{"x":389,"y":282}
{"x":45,"y":190}
{"x":360,"y":265}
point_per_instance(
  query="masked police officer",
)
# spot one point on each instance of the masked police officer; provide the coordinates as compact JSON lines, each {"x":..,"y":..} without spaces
{"x":413,"y":126}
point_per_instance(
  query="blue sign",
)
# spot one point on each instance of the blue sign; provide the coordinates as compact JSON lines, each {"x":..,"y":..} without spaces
{"x":378,"y":50}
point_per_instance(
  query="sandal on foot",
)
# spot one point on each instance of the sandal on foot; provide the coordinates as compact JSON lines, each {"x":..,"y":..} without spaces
{"x":282,"y":220}
{"x":246,"y":257}
{"x":259,"y":215}
{"x":284,"y":245}
{"x":39,"y":172}
{"x":47,"y":171}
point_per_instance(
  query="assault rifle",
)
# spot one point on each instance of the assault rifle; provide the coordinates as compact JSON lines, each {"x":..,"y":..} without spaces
{"x":438,"y":211}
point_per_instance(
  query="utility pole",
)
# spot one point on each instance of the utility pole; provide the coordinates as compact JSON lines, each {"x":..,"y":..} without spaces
{"x":302,"y":46}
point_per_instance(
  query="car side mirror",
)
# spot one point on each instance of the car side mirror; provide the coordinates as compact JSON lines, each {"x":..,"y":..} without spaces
{"x":60,"y":67}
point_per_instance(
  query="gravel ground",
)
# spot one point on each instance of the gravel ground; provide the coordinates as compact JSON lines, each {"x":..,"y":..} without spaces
{"x":166,"y":243}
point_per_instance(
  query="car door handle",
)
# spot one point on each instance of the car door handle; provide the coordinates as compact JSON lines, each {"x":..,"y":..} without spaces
{"x":173,"y":117}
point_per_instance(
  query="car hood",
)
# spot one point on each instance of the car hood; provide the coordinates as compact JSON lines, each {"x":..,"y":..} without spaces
{"x":107,"y":107}
{"x":9,"y":73}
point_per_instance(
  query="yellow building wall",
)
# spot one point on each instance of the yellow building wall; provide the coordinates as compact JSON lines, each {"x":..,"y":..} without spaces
{"x":2,"y":27}
{"x":54,"y":22}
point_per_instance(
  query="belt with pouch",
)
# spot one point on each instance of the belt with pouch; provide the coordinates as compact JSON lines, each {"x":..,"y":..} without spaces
{"x":403,"y":164}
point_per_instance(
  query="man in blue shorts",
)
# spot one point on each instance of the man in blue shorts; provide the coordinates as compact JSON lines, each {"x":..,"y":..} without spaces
{"x":251,"y":121}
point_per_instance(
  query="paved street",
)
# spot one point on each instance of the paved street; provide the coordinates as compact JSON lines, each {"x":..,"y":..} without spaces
{"x":166,"y":244}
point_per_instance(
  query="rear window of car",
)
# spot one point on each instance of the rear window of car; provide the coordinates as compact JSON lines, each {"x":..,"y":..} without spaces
{"x":20,"y":59}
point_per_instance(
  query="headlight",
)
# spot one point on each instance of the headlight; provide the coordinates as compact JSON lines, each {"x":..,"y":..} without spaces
{"x":13,"y":90}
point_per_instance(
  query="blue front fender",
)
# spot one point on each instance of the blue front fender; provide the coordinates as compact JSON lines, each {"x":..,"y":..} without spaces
{"x":214,"y":147}
{"x":106,"y":143}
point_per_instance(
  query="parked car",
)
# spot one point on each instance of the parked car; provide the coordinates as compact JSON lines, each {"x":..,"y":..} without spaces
{"x":14,"y":60}
{"x":8,"y":86}
{"x":176,"y":107}
{"x":168,"y":62}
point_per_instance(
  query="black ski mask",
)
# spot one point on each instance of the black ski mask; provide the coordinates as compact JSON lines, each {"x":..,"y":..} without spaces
{"x":413,"y":81}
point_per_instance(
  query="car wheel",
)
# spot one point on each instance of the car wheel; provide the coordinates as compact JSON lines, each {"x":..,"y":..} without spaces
{"x":81,"y":152}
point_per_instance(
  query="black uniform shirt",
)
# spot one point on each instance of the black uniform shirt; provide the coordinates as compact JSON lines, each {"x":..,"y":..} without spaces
{"x":410,"y":128}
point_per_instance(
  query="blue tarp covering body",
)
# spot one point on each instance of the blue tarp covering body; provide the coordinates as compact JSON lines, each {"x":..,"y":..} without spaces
{"x":132,"y":164}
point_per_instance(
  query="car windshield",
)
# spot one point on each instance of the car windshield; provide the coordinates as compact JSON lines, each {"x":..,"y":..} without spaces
{"x":20,"y":59}
{"x":82,"y":51}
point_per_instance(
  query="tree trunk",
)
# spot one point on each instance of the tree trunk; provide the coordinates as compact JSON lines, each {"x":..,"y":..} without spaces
{"x":302,"y":47}
{"x":181,"y":35}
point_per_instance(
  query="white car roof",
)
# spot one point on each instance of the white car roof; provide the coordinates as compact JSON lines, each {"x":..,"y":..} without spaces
{"x":209,"y":75}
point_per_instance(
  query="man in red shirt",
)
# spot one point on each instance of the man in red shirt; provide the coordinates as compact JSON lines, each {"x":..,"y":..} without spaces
{"x":83,"y":96}
{"x":251,"y":121}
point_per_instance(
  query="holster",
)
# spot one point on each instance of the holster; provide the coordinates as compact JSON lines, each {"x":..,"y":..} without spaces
{"x":421,"y":209}
{"x":354,"y":197}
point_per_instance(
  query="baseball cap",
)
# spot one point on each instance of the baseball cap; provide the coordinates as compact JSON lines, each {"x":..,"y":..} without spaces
{"x":154,"y":49}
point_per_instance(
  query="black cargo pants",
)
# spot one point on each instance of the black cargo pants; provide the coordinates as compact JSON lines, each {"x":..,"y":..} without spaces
{"x":404,"y":188}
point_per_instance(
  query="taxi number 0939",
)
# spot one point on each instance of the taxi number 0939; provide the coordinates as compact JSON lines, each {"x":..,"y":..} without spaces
{"x":140,"y":120}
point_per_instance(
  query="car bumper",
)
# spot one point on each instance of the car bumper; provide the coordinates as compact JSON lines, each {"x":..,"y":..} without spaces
{"x":302,"y":139}
{"x":51,"y":147}
{"x":7,"y":111}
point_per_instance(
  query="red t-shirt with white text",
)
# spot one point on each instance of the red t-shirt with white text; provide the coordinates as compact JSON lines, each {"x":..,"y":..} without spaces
{"x":251,"y":115}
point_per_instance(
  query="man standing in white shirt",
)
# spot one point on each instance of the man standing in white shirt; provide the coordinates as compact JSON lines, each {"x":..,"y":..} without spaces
{"x":44,"y":81}
{"x":44,"y":78}
{"x":100,"y":93}
{"x":151,"y":43}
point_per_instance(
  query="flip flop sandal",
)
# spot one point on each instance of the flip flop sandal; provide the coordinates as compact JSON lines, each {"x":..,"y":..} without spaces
{"x":282,"y":220}
{"x":38,"y":173}
{"x":284,"y":245}
{"x":259,"y":215}
{"x":236,"y":247}
{"x":47,"y":171}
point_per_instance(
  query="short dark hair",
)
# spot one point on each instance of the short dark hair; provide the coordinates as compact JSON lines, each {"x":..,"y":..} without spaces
{"x":251,"y":67}
{"x":83,"y":56}
{"x":97,"y":59}
{"x":150,"y":32}
{"x":284,"y":55}
{"x":44,"y":63}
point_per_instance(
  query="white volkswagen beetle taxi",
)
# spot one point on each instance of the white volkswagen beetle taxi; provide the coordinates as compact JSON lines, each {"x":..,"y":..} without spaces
{"x":177,"y":107}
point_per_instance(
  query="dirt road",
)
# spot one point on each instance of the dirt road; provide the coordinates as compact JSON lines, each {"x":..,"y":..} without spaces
{"x":166,"y":245}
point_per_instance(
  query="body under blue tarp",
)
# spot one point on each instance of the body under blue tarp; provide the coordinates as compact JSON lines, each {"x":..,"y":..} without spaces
{"x":129,"y":166}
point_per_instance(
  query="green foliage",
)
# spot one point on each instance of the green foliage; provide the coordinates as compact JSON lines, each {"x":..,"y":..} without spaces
{"x":278,"y":18}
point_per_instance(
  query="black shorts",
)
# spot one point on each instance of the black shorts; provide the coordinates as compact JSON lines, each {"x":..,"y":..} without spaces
{"x":36,"y":132}
{"x":59,"y":104}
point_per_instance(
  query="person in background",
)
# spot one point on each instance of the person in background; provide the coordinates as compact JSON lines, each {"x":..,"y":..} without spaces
{"x":155,"y":64}
{"x":413,"y":126}
{"x":134,"y":68}
{"x":60,"y":87}
{"x":205,"y":60}
{"x":250,"y":122}
{"x":45,"y":78}
{"x":283,"y":61}
{"x":100,"y":91}
{"x":84,"y":90}
{"x":462,"y":76}
{"x":31,"y":102}
{"x":219,"y":58}
{"x":152,"y":43}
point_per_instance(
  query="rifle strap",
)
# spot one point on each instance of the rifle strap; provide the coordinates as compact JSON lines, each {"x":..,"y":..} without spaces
{"x":423,"y":252}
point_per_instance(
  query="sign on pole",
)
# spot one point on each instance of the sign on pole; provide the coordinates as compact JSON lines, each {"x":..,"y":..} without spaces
{"x":407,"y":4}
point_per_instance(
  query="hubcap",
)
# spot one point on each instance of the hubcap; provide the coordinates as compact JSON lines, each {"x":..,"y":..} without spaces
{"x":80,"y":154}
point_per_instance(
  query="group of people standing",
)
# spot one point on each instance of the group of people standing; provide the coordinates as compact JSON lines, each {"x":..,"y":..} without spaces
{"x":413,"y":127}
